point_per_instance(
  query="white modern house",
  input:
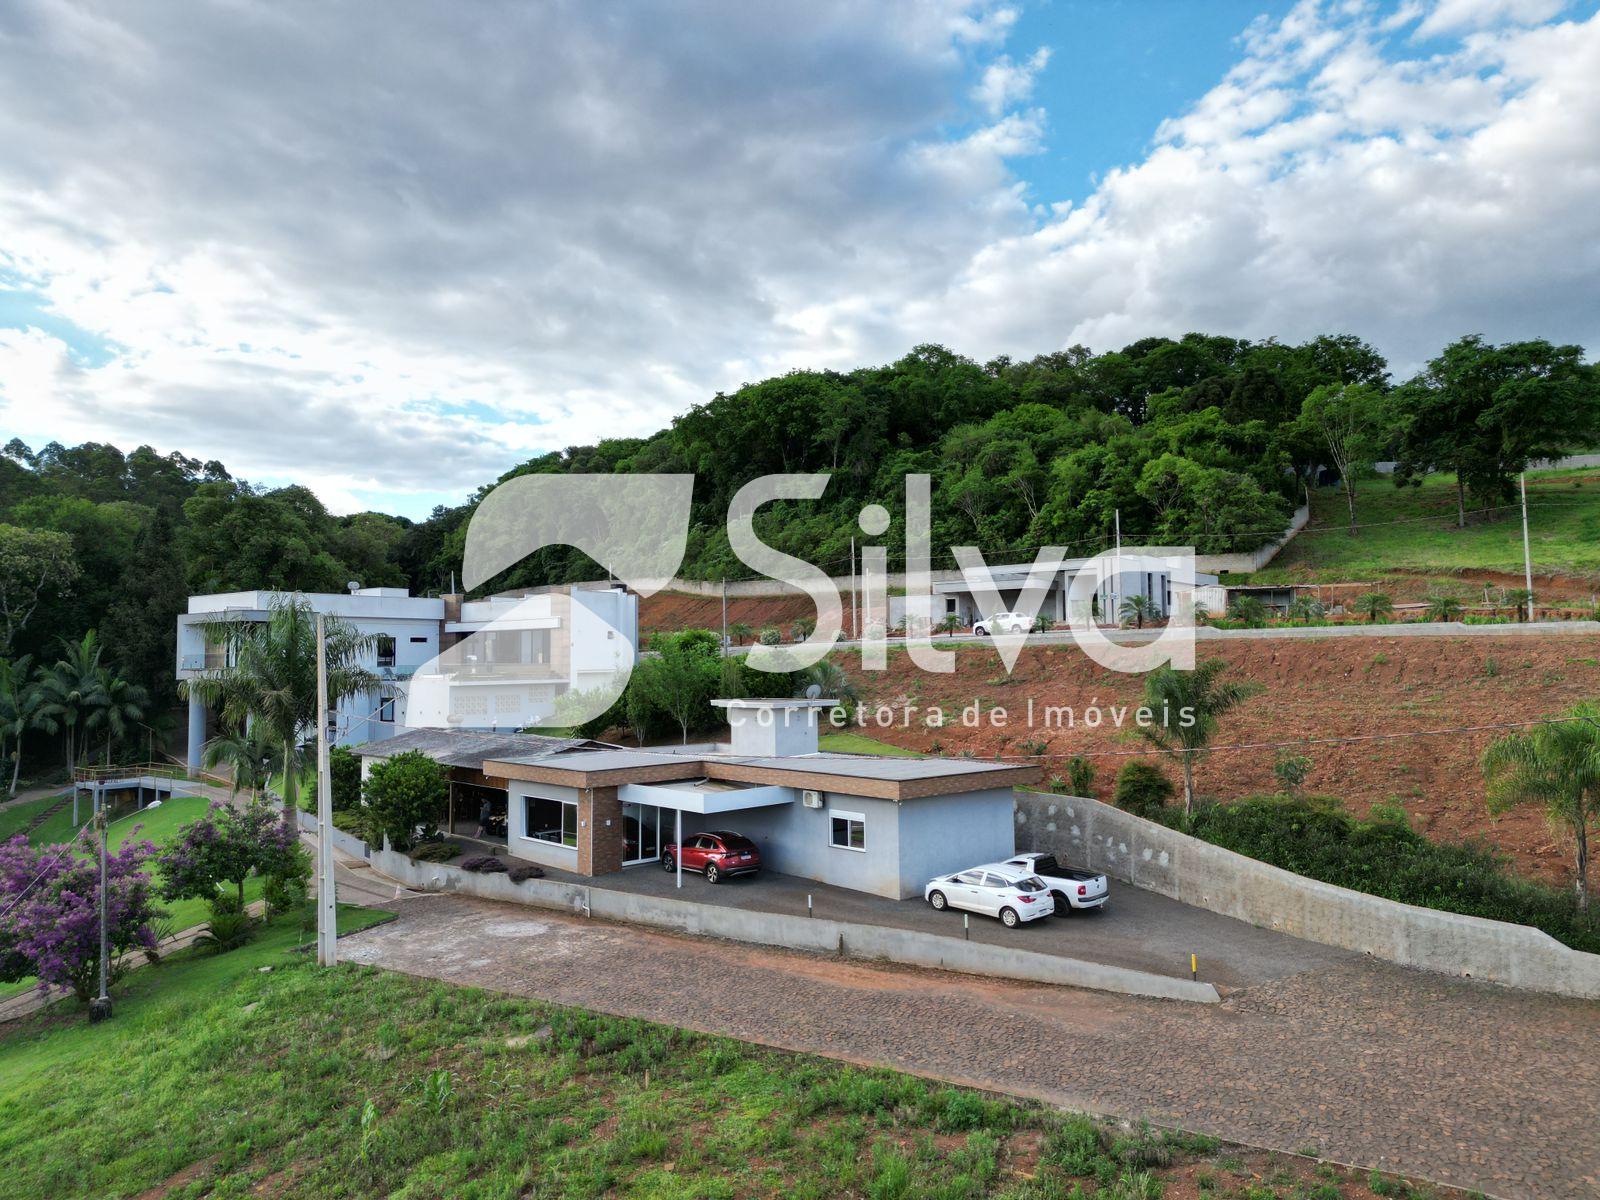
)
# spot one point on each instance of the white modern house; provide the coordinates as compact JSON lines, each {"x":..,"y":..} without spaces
{"x":873,"y":824}
{"x":1082,"y":591}
{"x":493,"y":664}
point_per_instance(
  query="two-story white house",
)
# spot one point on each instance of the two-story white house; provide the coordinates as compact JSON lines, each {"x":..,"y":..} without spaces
{"x":495,"y":664}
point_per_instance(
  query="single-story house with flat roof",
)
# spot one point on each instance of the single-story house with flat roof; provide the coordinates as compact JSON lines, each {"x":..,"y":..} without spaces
{"x":875,"y":824}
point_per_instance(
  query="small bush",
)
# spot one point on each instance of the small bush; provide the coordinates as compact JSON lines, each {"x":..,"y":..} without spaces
{"x":484,"y":864}
{"x":517,"y":872}
{"x":1142,"y":789}
{"x":225,"y":931}
{"x":225,"y":904}
{"x":1080,"y":775}
{"x":435,"y":852}
{"x":284,"y":894}
{"x":770,"y":635}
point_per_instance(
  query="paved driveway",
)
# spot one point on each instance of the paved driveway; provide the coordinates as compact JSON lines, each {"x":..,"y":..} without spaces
{"x":1137,"y":929}
{"x":1372,"y":1064}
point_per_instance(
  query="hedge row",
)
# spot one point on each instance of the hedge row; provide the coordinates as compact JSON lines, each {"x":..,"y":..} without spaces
{"x":1386,"y":857}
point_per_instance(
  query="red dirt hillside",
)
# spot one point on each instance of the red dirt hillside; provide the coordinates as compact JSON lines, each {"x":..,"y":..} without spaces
{"x":671,"y":611}
{"x":1311,"y":688}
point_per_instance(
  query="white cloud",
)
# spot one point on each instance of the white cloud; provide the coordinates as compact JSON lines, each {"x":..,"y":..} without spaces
{"x":398,"y":255}
{"x":1454,"y":16}
{"x":1004,"y":83}
{"x":1327,"y":184}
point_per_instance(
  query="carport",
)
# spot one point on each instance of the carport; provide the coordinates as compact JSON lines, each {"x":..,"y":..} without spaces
{"x":644,"y":806}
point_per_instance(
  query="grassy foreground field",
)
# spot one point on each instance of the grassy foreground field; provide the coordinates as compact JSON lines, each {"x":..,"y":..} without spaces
{"x":1413,"y":530}
{"x":255,"y":1073}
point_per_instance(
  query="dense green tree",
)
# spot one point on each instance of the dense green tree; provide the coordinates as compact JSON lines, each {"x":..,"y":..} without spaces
{"x":34,"y":565}
{"x":20,"y":701}
{"x":1486,"y":412}
{"x":1355,"y":423}
{"x":139,"y":627}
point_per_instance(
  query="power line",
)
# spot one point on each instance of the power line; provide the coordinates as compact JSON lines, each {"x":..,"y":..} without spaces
{"x":1350,"y":739}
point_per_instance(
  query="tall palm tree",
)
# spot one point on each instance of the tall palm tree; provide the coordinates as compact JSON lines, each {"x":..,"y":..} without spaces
{"x":19,"y":709}
{"x":1556,"y":765}
{"x":70,"y":692}
{"x":271,"y":679}
{"x":117,"y":707}
{"x":1187,"y":707}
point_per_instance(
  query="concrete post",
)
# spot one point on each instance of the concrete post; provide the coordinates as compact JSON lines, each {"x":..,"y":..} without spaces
{"x":197,"y":733}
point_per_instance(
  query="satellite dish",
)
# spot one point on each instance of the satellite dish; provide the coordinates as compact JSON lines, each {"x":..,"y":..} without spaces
{"x":814,"y":691}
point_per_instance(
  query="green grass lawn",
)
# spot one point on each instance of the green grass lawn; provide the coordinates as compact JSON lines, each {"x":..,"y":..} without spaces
{"x":855,"y":743}
{"x":218,"y":1078}
{"x":228,"y":1081}
{"x":1413,"y":530}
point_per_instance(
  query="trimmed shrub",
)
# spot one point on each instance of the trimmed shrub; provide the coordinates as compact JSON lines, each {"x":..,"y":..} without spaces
{"x":1142,"y":789}
{"x":517,"y":872}
{"x":486,"y":864}
{"x":1080,"y":775}
{"x":435,"y":852}
{"x":344,"y":772}
{"x":405,"y":797}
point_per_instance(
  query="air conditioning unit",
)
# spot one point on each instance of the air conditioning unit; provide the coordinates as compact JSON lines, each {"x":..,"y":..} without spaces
{"x":811,"y":799}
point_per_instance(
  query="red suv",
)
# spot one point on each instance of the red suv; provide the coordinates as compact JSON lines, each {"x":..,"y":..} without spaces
{"x":716,"y":855}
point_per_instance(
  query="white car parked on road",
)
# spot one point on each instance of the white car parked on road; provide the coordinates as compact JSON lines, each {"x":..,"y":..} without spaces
{"x":994,"y":890}
{"x":1003,"y":622}
{"x":1069,"y":888}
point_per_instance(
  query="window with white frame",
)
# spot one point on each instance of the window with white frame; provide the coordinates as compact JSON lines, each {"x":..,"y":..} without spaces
{"x":847,"y":830}
{"x":552,"y":821}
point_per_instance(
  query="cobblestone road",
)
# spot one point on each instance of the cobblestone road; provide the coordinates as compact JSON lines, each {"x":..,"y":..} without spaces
{"x":1372,"y":1064}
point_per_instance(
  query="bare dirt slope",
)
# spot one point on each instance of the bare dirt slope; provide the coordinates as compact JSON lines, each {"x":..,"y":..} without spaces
{"x":667,"y":611}
{"x":1310,"y":689}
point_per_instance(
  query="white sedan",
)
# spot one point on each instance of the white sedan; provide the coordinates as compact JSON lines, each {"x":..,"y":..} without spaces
{"x":1003,"y":622}
{"x":995,"y":891}
{"x":1069,"y":888}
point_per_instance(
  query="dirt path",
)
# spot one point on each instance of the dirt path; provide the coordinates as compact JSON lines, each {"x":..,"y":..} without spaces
{"x":1464,"y":1083}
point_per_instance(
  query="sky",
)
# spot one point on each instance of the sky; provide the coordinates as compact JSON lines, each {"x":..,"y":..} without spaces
{"x":391,"y":252}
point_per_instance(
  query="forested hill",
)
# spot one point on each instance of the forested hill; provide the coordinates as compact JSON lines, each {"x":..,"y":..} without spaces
{"x":1206,"y":441}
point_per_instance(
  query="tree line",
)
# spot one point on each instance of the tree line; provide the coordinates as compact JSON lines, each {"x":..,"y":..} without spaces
{"x":1203,"y":440}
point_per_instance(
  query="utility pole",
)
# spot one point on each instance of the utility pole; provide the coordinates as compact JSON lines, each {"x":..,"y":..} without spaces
{"x":724,"y":616}
{"x":327,"y":915}
{"x":1527,"y":552}
{"x":855,"y":610}
{"x":100,"y":1006}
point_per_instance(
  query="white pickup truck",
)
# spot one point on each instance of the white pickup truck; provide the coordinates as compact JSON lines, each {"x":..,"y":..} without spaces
{"x":1070,"y":889}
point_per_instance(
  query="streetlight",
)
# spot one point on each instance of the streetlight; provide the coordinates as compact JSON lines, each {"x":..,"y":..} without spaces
{"x":100,"y":1006}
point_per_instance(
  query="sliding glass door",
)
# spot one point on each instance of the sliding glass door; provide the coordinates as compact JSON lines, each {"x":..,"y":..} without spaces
{"x":641,"y":833}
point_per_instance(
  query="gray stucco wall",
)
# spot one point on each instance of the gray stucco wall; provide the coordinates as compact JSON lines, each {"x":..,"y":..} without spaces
{"x":941,"y":834}
{"x":795,"y":840}
{"x":517,"y":841}
{"x":1088,"y":833}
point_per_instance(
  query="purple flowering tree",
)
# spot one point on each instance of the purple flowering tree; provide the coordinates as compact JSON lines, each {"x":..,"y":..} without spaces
{"x":224,"y":847}
{"x":50,"y":911}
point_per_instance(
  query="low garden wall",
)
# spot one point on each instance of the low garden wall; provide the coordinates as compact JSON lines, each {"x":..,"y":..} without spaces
{"x":796,"y":933}
{"x":346,"y":843}
{"x":1085,"y":832}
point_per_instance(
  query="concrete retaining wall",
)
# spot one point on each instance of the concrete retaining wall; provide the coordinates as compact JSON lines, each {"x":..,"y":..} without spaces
{"x":347,"y":843}
{"x":798,"y":933}
{"x":1088,"y":833}
{"x":1254,"y":560}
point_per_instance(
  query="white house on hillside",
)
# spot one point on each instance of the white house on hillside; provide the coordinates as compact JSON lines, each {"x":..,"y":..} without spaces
{"x":493,"y":664}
